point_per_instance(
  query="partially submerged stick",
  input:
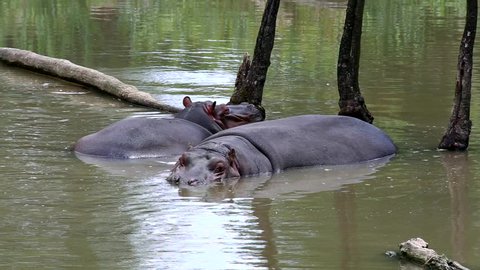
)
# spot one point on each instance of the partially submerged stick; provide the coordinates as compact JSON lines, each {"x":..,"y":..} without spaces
{"x":66,"y":70}
{"x":416,"y":250}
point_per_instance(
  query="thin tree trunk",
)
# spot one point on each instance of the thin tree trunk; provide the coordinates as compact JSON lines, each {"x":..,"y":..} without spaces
{"x":252,"y":74}
{"x":66,"y":70}
{"x":457,"y":135}
{"x":351,"y":102}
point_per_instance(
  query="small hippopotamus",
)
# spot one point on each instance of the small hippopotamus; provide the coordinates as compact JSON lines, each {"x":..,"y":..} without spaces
{"x":148,"y":137}
{"x":276,"y":145}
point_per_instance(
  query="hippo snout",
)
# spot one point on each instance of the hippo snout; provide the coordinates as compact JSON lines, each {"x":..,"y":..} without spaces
{"x":172,"y":179}
{"x":193,"y":182}
{"x":204,"y":166}
{"x":178,"y":181}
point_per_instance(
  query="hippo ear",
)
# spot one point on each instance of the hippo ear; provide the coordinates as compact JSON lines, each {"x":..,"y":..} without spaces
{"x":210,"y":108}
{"x":233,"y":163}
{"x":187,"y":102}
{"x":231,"y":155}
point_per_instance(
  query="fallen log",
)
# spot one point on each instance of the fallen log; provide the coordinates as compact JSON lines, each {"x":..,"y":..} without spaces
{"x":69,"y":71}
{"x":416,"y":251}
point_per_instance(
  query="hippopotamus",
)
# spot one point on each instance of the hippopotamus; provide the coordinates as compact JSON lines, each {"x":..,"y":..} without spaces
{"x":275,"y":145}
{"x":148,"y":137}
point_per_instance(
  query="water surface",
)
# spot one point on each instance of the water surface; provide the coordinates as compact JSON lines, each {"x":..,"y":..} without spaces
{"x":60,"y":211}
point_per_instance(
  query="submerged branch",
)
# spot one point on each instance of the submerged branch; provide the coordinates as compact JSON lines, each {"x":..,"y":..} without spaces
{"x":66,"y":70}
{"x":416,"y":251}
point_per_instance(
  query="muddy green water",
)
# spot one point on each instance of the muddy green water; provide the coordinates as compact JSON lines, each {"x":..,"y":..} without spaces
{"x":60,"y":212}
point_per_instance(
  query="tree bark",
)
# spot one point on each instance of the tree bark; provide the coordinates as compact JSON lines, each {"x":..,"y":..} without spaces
{"x":457,"y":135}
{"x":416,"y":250}
{"x":252,"y":74}
{"x":66,"y":70}
{"x":351,"y":102}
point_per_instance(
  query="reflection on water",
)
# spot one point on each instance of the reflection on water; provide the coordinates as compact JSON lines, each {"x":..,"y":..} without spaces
{"x":301,"y":182}
{"x":171,"y":231}
{"x":294,"y":183}
{"x":59,"y":211}
{"x":457,"y":166}
{"x":196,"y":78}
{"x":174,"y":237}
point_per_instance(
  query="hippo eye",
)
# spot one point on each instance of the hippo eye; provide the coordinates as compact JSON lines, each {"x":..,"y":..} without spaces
{"x":226,"y":110}
{"x":219,"y":168}
{"x":183,"y":160}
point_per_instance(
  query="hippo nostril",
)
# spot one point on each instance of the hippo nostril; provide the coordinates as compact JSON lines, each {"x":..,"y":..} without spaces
{"x":173,"y":180}
{"x":192,"y":182}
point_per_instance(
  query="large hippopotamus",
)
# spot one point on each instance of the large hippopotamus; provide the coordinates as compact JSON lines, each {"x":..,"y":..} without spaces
{"x":146,"y":137}
{"x":276,"y":145}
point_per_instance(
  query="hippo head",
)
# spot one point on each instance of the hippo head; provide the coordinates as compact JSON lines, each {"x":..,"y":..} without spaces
{"x":240,"y":114}
{"x":216,"y":117}
{"x":203,"y":113}
{"x":203,"y":166}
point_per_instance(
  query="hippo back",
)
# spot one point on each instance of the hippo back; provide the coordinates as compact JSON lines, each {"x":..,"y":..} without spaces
{"x":142,"y":137}
{"x":309,"y":140}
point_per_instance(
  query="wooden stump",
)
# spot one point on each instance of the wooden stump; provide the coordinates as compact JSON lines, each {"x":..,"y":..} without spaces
{"x":416,"y":250}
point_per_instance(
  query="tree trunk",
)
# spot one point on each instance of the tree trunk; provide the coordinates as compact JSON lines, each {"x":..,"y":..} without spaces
{"x":68,"y":71}
{"x":416,"y":250}
{"x":252,"y":74}
{"x":457,"y":134}
{"x":351,"y":102}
